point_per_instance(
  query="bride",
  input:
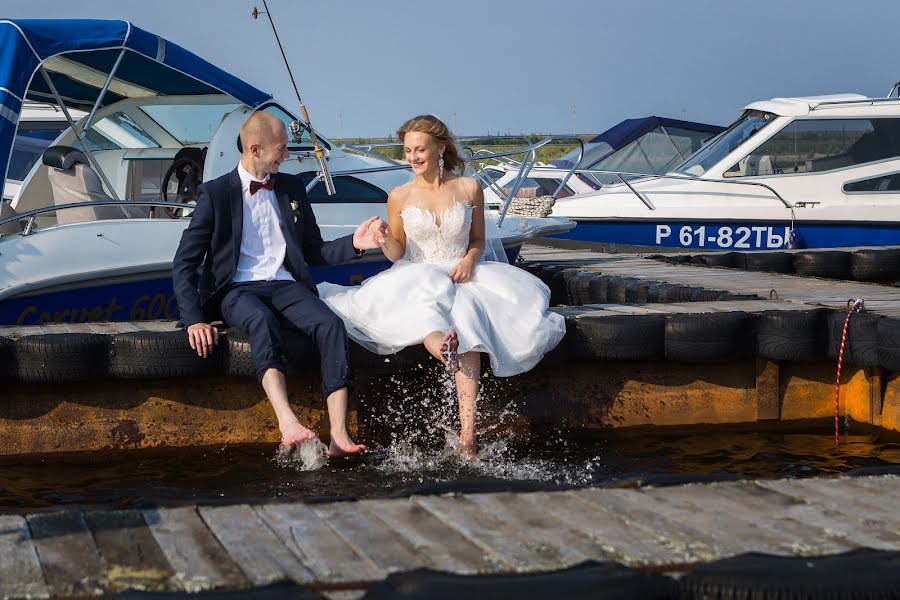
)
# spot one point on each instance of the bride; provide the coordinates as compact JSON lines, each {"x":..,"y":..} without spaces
{"x":440,"y":292}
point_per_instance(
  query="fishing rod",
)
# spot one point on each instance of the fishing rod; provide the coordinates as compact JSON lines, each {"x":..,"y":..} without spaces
{"x":295,"y":126}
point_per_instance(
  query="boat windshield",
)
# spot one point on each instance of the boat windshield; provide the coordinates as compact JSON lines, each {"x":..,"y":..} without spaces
{"x":189,"y":123}
{"x":738,"y":133}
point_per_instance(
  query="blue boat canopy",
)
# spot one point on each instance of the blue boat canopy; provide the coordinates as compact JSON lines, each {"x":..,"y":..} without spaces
{"x":78,"y":55}
{"x":682,"y":136}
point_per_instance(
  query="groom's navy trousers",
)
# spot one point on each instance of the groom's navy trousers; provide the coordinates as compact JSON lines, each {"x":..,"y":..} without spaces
{"x":252,"y":307}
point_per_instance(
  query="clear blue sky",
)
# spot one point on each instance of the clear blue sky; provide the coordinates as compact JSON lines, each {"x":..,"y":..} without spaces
{"x":522,"y":66}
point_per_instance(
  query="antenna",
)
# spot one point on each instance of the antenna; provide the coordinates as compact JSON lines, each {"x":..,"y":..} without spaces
{"x":296,"y":127}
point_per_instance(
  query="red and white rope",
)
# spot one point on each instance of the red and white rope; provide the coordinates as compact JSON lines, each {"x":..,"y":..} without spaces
{"x":852,"y":307}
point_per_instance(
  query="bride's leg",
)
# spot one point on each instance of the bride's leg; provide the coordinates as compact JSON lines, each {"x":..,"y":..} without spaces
{"x":437,"y":343}
{"x":467,"y":384}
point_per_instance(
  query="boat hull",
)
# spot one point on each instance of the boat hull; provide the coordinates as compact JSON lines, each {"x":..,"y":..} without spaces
{"x":732,"y":235}
{"x":148,"y":297}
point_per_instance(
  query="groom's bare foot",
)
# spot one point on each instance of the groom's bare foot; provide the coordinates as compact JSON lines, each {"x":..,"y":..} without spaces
{"x":295,"y":433}
{"x":342,"y":445}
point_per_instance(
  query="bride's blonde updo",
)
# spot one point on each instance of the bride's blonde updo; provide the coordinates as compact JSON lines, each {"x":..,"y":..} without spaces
{"x":434,"y":127}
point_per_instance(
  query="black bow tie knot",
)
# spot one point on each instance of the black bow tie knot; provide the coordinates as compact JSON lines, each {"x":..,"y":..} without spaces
{"x":256,"y":185}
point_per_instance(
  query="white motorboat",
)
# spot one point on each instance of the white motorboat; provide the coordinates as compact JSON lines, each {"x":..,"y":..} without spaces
{"x":814,"y":172}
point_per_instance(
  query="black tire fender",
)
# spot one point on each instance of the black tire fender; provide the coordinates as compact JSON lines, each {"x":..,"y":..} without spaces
{"x":881,"y":265}
{"x":861,"y":347}
{"x":766,"y":262}
{"x":889,"y":344}
{"x":831,"y":264}
{"x":7,"y":359}
{"x":798,"y":335}
{"x":709,"y":337}
{"x":598,"y":289}
{"x":61,"y":357}
{"x":161,"y":354}
{"x":626,"y":337}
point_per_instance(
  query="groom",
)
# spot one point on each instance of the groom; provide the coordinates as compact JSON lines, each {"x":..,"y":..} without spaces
{"x":254,"y":255}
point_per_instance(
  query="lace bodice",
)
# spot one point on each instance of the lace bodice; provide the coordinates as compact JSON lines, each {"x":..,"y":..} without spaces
{"x":429,"y":241}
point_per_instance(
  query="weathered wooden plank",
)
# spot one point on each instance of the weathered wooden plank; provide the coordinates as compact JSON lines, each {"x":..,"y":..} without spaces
{"x":51,"y":328}
{"x":686,"y":542}
{"x":852,"y":526}
{"x":20,"y":569}
{"x":371,"y":537}
{"x":431,"y":537}
{"x":755,"y":514}
{"x":253,"y":545}
{"x":542,"y":523}
{"x":69,"y":556}
{"x":133,"y":558}
{"x":495,"y":534}
{"x":320,"y":548}
{"x":199,"y":561}
{"x":834,"y":493}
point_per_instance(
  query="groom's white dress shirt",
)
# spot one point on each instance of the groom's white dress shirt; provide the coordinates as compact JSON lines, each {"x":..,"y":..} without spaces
{"x":262,"y":241}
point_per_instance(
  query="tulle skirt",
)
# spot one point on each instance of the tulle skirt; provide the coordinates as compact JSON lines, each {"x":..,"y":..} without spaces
{"x":502,"y":311}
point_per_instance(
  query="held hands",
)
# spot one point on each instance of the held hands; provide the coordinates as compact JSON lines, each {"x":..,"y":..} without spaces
{"x":202,"y":338}
{"x":463,"y":270}
{"x":370,"y":234}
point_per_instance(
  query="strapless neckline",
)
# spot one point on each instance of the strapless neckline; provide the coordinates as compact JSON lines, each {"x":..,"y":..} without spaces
{"x":434,"y":216}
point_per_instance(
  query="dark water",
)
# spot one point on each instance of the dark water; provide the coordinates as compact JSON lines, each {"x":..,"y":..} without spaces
{"x":209,"y":475}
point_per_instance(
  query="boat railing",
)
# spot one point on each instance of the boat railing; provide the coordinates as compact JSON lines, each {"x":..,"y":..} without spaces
{"x":621,"y":175}
{"x":525,"y":166}
{"x":30,"y":216}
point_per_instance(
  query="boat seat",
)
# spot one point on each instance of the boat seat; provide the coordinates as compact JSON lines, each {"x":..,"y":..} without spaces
{"x":73,"y":180}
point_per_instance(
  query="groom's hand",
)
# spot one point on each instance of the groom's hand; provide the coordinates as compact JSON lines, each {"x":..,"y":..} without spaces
{"x":369,"y":234}
{"x":202,"y":338}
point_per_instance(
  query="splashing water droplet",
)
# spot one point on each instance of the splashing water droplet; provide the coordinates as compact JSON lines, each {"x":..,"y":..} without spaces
{"x":308,"y":455}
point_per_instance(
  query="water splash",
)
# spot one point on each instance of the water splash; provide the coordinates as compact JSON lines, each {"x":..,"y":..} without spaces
{"x":308,"y":455}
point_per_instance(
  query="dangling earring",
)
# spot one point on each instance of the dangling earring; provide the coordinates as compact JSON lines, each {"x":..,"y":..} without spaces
{"x":441,"y":168}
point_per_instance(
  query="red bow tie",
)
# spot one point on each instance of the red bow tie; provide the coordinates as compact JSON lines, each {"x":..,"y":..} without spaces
{"x":268,"y":184}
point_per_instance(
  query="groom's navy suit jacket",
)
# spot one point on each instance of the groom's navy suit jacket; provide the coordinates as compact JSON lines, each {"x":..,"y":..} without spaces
{"x":213,"y":238}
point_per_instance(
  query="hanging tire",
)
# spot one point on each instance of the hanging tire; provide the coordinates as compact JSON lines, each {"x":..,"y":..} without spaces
{"x":799,"y":335}
{"x":160,"y":355}
{"x":546,"y":273}
{"x":766,"y":262}
{"x":598,"y":288}
{"x":881,"y":265}
{"x":637,"y":291}
{"x":718,"y":259}
{"x":615,"y":291}
{"x":705,"y":295}
{"x":579,"y":294}
{"x":889,"y":344}
{"x":559,"y":286}
{"x":61,"y":357}
{"x":658,"y":293}
{"x":861,"y":347}
{"x":626,"y":337}
{"x":831,"y":264}
{"x":7,"y":359}
{"x":298,"y":352}
{"x":709,"y":337}
{"x":756,"y":575}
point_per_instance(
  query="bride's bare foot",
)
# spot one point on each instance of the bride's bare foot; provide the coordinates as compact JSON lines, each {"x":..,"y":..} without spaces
{"x":295,"y":433}
{"x":342,"y":445}
{"x":450,"y":343}
{"x":467,"y":447}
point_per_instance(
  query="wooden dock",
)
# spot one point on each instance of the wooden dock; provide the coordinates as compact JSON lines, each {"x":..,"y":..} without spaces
{"x":343,"y":548}
{"x":810,"y":291}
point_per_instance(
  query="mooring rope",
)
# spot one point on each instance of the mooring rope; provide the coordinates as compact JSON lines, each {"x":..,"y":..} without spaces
{"x":853,"y":306}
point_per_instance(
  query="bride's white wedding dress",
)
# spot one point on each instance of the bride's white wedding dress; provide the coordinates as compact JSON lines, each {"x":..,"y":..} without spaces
{"x":502,"y":310}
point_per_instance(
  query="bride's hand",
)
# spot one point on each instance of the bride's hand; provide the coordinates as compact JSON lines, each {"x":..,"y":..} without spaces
{"x":365,"y":238}
{"x":463,"y":271}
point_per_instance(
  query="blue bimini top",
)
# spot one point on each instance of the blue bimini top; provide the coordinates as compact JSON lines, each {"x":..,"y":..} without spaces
{"x":78,"y":55}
